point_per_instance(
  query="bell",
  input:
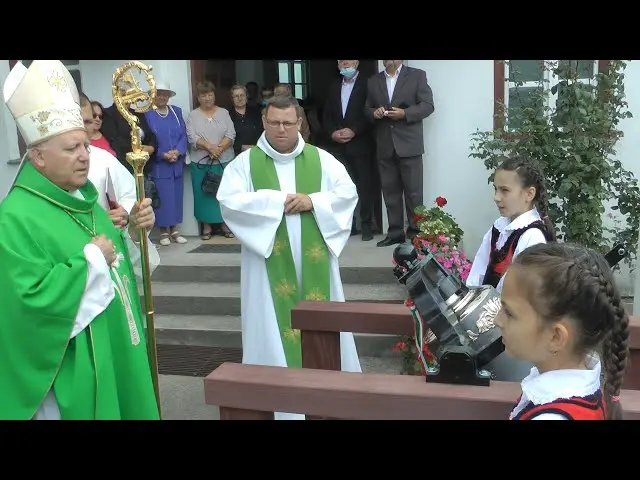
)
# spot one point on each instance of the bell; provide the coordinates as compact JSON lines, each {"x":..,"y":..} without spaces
{"x":461,"y":319}
{"x":464,"y":338}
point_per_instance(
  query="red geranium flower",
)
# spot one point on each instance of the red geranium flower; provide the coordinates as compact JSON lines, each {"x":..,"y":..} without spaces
{"x":441,"y":201}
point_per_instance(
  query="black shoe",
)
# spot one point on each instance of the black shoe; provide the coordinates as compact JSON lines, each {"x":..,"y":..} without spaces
{"x":388,"y":241}
{"x":367,"y":235}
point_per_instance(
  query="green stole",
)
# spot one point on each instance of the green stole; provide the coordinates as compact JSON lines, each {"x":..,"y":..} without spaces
{"x":283,"y":279}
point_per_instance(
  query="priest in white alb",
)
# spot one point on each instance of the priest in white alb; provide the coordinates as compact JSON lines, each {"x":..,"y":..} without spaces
{"x":115,"y":185}
{"x":291,"y":205}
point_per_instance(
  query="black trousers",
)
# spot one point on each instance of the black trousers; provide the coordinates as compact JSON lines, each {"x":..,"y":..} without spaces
{"x":401,"y":179}
{"x":363,"y":172}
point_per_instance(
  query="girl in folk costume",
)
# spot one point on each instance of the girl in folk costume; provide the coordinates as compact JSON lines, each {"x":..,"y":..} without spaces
{"x":521,"y":197}
{"x":562,"y":311}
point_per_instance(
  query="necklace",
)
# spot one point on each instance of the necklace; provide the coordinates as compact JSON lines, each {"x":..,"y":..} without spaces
{"x":162,"y":115}
{"x":91,"y":231}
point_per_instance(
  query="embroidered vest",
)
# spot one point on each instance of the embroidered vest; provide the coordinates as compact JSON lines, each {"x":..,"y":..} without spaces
{"x":500,"y":259}
{"x":591,"y":407}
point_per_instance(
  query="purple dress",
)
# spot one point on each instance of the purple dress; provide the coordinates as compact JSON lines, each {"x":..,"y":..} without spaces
{"x":171,"y":134}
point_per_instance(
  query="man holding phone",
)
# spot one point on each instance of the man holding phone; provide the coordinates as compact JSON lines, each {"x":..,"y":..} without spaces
{"x":398,"y":100}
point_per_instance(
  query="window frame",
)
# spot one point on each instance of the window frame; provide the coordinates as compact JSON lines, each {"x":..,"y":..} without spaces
{"x":304,"y":84}
{"x":501,"y":88}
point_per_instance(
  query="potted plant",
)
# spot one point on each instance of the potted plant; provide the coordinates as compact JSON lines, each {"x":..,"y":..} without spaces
{"x":440,"y":235}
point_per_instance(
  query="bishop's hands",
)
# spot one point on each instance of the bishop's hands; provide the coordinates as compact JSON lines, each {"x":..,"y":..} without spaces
{"x":297,"y":203}
{"x":142,"y":216}
{"x":106,"y":247}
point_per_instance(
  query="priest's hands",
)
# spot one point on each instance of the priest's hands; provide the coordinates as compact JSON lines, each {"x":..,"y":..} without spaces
{"x":118,"y":214}
{"x":297,"y":203}
{"x":142,"y":216}
{"x":106,"y":247}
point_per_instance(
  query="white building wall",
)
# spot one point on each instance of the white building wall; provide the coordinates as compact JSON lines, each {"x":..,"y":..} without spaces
{"x":9,"y":149}
{"x":463,"y":100}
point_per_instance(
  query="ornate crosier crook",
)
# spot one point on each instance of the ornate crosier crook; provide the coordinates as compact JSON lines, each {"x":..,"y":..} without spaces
{"x":127,"y":93}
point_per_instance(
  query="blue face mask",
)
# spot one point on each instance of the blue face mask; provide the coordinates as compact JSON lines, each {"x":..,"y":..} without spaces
{"x":348,"y":72}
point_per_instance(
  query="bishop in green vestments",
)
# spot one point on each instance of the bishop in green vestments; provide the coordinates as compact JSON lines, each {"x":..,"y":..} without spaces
{"x":291,"y":206}
{"x":72,"y":342}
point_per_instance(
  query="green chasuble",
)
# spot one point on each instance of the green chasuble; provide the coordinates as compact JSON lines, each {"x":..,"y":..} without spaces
{"x":102,"y":373}
{"x":281,"y":271}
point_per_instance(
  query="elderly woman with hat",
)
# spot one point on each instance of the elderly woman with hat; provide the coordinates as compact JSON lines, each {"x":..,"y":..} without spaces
{"x":167,"y":168}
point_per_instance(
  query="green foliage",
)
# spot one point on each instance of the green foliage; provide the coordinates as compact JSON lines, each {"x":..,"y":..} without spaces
{"x":574,"y":141}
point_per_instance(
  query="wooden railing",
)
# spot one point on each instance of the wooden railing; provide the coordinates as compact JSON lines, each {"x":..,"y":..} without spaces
{"x":320,"y":324}
{"x":319,"y":390}
{"x":251,"y":392}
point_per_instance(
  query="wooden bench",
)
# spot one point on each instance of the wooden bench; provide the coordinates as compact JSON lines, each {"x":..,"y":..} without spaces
{"x":251,"y":392}
{"x":320,"y":324}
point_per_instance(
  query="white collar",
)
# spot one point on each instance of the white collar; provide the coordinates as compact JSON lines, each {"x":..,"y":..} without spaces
{"x":278,"y":157}
{"x":503,"y":224}
{"x":394,"y":75}
{"x":549,"y":386}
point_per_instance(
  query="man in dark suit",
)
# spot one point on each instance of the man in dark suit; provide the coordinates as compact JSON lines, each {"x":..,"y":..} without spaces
{"x":398,"y":100}
{"x":345,"y":124}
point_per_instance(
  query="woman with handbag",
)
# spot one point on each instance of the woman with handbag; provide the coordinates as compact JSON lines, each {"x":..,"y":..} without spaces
{"x":211,"y":135}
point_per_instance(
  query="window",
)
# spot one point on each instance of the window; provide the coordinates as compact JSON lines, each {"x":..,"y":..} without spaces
{"x":517,"y":80}
{"x":74,"y":69}
{"x":294,"y":72}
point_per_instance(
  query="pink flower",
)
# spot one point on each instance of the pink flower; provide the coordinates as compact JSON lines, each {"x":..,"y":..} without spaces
{"x":445,"y":248}
{"x":442,"y":238}
{"x":434,"y":249}
{"x":447,"y":264}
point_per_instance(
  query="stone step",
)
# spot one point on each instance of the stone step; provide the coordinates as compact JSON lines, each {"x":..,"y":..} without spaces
{"x":231,"y":274}
{"x":226,"y":332}
{"x":191,"y":298}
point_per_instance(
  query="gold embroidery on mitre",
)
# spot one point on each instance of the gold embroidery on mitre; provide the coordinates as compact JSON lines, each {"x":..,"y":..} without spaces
{"x":285,"y":288}
{"x":291,"y":335}
{"x":315,"y":295}
{"x":315,"y":253}
{"x":58,"y":82}
{"x":48,"y":120}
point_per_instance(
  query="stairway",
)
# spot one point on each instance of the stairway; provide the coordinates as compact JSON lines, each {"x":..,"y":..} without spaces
{"x":196,"y":293}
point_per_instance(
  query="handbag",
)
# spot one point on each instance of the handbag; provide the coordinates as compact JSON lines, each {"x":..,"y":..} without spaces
{"x":211,"y":181}
{"x":151,"y":191}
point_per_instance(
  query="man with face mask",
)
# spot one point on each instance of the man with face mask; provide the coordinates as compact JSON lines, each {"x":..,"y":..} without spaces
{"x":398,"y":100}
{"x":71,"y":327}
{"x":347,"y":126}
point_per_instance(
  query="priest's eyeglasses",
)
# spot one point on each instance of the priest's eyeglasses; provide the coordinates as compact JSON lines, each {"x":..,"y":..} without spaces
{"x":286,"y":125}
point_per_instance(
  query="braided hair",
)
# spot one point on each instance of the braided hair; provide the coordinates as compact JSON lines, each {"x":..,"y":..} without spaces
{"x":531,"y":175}
{"x":576,"y":282}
